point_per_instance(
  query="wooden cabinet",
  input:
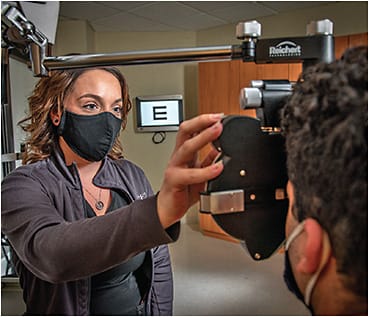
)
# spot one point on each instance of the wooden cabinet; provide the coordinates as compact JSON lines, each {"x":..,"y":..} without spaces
{"x":343,"y":42}
{"x":220,"y":83}
{"x":219,"y":88}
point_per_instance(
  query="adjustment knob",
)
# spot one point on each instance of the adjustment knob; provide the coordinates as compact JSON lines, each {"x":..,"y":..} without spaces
{"x":248,"y":29}
{"x":250,"y":98}
{"x":324,"y":27}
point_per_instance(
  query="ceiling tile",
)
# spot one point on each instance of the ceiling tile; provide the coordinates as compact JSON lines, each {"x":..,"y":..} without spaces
{"x":210,"y":6}
{"x":282,"y":6}
{"x":178,"y":16}
{"x":243,"y":11}
{"x":149,"y":16}
{"x":125,"y":5}
{"x":198,"y":22}
{"x":85,"y":10}
{"x":163,"y":11}
{"x":131,"y":22}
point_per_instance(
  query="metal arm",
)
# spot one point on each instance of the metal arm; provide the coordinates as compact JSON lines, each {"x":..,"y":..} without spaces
{"x":145,"y":57}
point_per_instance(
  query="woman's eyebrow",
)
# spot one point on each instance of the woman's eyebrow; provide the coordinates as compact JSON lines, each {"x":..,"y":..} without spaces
{"x":97,"y":97}
{"x":119,"y":100}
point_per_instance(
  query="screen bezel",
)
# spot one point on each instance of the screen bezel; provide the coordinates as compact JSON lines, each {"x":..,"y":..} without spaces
{"x":158,"y":128}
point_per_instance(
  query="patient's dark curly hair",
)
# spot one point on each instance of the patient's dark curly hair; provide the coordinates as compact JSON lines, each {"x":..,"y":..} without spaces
{"x":325,"y":123}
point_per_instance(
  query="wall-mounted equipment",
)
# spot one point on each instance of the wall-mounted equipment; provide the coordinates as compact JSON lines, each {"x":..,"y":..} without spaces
{"x":158,"y":113}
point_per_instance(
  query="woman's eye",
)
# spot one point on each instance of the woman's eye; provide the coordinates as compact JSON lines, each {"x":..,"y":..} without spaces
{"x":117,"y":109}
{"x":90,"y":106}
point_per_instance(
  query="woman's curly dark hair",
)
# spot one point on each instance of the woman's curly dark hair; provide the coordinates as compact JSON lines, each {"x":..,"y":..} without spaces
{"x":48,"y":96}
{"x":325,"y":123}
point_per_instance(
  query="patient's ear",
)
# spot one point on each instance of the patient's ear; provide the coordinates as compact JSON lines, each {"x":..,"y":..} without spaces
{"x":312,"y":249}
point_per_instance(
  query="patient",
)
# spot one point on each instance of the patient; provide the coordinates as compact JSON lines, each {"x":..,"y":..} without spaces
{"x":326,"y":127}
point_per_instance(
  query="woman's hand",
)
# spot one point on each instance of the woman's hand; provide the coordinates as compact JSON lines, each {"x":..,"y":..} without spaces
{"x":185,"y":176}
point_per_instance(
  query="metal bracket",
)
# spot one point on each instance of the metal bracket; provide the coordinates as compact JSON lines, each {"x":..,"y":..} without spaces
{"x":224,"y":202}
{"x":27,"y":34}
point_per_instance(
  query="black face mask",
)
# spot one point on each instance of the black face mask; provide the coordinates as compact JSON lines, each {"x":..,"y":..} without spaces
{"x":288,"y":276}
{"x":91,"y":137}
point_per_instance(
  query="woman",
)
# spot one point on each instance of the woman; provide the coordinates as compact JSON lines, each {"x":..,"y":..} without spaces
{"x":89,"y":235}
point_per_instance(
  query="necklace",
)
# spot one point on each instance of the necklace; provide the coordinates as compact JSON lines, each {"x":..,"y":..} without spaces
{"x":98,"y":203}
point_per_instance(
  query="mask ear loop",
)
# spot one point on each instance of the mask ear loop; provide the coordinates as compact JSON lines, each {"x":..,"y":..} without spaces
{"x":299,"y":228}
{"x":60,"y":127}
{"x":325,"y":256}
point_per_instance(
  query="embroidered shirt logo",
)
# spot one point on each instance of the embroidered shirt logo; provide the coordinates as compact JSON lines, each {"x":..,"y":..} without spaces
{"x":142,"y":196}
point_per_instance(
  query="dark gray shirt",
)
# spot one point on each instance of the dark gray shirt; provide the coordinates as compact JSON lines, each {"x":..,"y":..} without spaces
{"x":115,"y":292}
{"x":43,"y":216}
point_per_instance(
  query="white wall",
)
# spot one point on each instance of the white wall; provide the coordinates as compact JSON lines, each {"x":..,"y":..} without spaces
{"x":21,"y":85}
{"x":74,"y":37}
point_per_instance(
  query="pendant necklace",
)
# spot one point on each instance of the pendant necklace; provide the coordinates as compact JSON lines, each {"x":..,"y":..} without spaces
{"x":99,"y":205}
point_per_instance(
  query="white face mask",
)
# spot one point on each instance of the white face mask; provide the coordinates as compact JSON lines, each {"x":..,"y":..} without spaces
{"x":325,"y":256}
